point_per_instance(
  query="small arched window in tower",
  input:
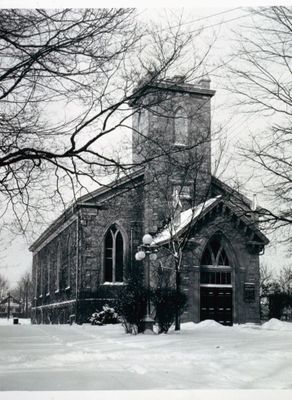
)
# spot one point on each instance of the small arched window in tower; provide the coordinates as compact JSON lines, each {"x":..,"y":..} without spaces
{"x":181,"y":133}
{"x":114,"y":255}
{"x":139,"y":120}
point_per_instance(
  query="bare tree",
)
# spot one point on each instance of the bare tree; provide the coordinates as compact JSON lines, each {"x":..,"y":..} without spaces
{"x":3,"y":286}
{"x":276,"y":293}
{"x":285,"y":280}
{"x":266,"y":279}
{"x":261,"y":78}
{"x":66,"y":80}
{"x":23,"y":292}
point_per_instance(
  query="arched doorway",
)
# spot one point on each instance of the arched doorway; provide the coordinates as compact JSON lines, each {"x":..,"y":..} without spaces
{"x":216,"y":283}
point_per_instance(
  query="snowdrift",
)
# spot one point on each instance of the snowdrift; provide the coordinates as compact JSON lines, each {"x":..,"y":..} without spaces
{"x":276,"y":324}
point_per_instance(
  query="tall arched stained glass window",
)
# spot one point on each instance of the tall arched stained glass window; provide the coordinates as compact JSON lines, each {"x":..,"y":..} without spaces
{"x":114,"y":254}
{"x":181,"y":127}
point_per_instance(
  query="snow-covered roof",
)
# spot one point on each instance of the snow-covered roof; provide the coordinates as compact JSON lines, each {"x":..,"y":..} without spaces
{"x":186,"y":217}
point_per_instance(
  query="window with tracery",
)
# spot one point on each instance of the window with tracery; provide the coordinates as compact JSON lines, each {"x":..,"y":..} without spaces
{"x":215,"y":254}
{"x":181,"y":127}
{"x":114,"y":255}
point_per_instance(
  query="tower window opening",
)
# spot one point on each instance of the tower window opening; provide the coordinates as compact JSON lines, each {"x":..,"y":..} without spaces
{"x":181,"y":127}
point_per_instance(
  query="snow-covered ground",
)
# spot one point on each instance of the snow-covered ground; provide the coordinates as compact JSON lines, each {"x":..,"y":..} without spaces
{"x":200,"y":356}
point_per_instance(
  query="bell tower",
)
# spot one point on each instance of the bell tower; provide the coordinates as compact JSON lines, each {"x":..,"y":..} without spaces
{"x":172,"y":139}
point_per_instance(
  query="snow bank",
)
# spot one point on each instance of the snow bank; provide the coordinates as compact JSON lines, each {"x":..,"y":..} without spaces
{"x":188,"y":326}
{"x":206,"y":324}
{"x":209,"y":323}
{"x":276,"y":324}
{"x":272,"y":324}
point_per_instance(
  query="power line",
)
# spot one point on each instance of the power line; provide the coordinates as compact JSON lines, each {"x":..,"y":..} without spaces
{"x":204,"y":27}
{"x":203,"y":18}
{"x":200,"y":19}
{"x":222,"y":22}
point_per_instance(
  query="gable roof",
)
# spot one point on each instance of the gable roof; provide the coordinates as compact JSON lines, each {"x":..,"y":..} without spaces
{"x":97,"y":197}
{"x":85,"y":202}
{"x":129,"y":177}
{"x":10,"y":297}
{"x":233,"y":195}
{"x":194,"y":214}
{"x":174,"y":229}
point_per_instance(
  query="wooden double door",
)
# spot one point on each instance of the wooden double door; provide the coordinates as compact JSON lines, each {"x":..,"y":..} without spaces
{"x":216,"y":304}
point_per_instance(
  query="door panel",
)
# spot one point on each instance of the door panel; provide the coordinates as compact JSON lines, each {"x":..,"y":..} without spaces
{"x":216,"y":304}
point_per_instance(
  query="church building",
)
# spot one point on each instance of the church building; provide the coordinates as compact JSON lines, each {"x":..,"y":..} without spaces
{"x":86,"y":256}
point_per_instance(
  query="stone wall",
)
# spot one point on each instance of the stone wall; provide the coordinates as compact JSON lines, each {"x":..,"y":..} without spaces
{"x":245,"y":268}
{"x":54,"y":270}
{"x":55,"y":302}
{"x":123,"y":209}
{"x":170,"y":163}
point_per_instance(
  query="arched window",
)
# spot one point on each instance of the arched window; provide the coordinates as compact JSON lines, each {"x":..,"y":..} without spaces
{"x":48,"y":275}
{"x":214,"y":254}
{"x":69,"y":260}
{"x":36,"y":273}
{"x":215,"y":266}
{"x":41,"y":277}
{"x":114,"y":255}
{"x":181,"y":127}
{"x":58,"y":267}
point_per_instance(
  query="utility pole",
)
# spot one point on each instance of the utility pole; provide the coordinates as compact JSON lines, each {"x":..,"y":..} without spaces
{"x":8,"y":308}
{"x":26,"y":299}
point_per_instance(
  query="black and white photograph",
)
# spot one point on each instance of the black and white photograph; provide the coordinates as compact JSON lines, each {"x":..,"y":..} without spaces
{"x":145,"y":199}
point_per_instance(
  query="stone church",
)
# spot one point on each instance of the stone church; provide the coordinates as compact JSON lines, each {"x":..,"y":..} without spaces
{"x":85,"y":257}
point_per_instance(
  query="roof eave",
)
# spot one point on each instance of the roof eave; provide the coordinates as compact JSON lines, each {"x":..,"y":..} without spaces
{"x":83,"y":202}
